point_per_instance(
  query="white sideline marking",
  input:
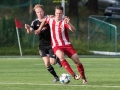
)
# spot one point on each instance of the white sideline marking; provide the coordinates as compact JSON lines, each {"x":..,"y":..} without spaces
{"x":89,"y":64}
{"x":60,"y":85}
{"x":105,"y":53}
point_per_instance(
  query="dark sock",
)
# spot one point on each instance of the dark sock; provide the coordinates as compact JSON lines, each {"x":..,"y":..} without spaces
{"x":58,"y":61}
{"x":52,"y":71}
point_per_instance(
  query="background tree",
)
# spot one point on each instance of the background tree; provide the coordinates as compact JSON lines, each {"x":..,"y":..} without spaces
{"x":93,"y":6}
{"x":31,"y":10}
{"x":73,"y":7}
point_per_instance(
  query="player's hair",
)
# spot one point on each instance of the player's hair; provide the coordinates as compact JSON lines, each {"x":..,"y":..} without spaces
{"x":59,"y":7}
{"x":38,"y":6}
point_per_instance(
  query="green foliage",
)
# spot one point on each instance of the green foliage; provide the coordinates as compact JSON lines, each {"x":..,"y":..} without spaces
{"x":7,"y":32}
{"x":80,"y":46}
{"x":15,"y":50}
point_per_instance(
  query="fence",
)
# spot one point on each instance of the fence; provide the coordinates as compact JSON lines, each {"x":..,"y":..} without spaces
{"x":104,"y":34}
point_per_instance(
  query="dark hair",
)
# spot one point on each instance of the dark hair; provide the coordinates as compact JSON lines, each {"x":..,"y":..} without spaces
{"x":59,"y":7}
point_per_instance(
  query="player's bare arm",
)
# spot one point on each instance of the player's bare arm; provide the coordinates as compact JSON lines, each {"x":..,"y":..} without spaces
{"x":27,"y":27}
{"x":41,"y":26}
{"x":71,"y":27}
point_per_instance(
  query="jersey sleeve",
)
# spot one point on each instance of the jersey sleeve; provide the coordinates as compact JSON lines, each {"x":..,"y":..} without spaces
{"x":33,"y":27}
{"x":47,"y":20}
{"x":66,"y":26}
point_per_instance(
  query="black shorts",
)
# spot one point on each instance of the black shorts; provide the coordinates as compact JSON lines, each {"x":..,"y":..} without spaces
{"x":46,"y":51}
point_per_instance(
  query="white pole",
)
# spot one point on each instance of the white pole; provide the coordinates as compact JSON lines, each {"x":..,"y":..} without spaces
{"x":19,"y":41}
{"x":33,"y":40}
{"x":63,"y":5}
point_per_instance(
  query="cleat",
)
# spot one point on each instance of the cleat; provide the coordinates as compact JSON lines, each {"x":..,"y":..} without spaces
{"x":76,"y":77}
{"x":56,"y":79}
{"x":84,"y":81}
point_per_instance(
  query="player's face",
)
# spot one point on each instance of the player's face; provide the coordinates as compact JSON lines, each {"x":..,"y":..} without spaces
{"x":58,"y":14}
{"x":39,"y":12}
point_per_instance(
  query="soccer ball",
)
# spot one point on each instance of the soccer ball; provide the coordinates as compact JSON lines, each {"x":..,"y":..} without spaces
{"x":65,"y":78}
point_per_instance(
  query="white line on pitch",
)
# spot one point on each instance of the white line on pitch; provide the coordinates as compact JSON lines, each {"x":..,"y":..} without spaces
{"x":60,"y":85}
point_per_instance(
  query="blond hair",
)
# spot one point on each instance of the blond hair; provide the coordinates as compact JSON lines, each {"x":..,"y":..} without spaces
{"x":38,"y":6}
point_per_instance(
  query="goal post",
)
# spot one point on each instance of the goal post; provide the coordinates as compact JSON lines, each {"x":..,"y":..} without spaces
{"x":102,"y":35}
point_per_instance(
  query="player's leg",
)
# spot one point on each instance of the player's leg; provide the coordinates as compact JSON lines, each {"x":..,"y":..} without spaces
{"x":53,"y":58}
{"x":52,"y":61}
{"x":79,"y":66}
{"x":58,"y":61}
{"x":65,"y":64}
{"x":71,"y":52}
{"x":49,"y":67}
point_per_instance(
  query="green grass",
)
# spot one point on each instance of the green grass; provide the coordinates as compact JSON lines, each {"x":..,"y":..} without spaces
{"x":31,"y":74}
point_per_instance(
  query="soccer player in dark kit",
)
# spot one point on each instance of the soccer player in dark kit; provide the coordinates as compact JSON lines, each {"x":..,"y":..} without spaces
{"x":45,"y":48}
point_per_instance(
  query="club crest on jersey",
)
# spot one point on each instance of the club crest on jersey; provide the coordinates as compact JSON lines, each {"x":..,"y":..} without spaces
{"x":44,"y":28}
{"x":38,"y":25}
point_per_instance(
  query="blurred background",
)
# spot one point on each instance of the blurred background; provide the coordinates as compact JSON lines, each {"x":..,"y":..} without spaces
{"x":96,"y":22}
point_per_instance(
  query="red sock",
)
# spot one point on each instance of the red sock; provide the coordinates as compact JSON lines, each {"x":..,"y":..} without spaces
{"x":66,"y":65}
{"x":81,"y":70}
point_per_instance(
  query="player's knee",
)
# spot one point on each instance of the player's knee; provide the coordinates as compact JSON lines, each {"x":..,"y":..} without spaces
{"x":52,"y":61}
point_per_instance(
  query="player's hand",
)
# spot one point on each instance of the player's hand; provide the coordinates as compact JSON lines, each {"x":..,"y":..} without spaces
{"x":37,"y":31}
{"x":27,"y":26}
{"x":50,"y":16}
{"x":67,"y":20}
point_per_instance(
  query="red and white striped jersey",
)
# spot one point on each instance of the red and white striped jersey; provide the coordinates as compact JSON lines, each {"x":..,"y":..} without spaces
{"x":59,"y":34}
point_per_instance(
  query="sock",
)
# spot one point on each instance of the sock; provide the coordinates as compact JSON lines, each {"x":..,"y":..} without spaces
{"x":66,"y":65}
{"x":81,"y":70}
{"x":52,"y":71}
{"x":58,"y":61}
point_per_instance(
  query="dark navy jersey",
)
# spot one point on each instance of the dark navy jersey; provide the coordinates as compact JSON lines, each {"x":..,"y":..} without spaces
{"x":44,"y":35}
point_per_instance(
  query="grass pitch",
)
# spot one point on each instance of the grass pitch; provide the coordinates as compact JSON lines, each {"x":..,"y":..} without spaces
{"x":31,"y":74}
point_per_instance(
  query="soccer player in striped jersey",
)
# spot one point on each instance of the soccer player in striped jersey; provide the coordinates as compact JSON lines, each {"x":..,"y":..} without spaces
{"x":61,"y":43}
{"x":45,"y":48}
